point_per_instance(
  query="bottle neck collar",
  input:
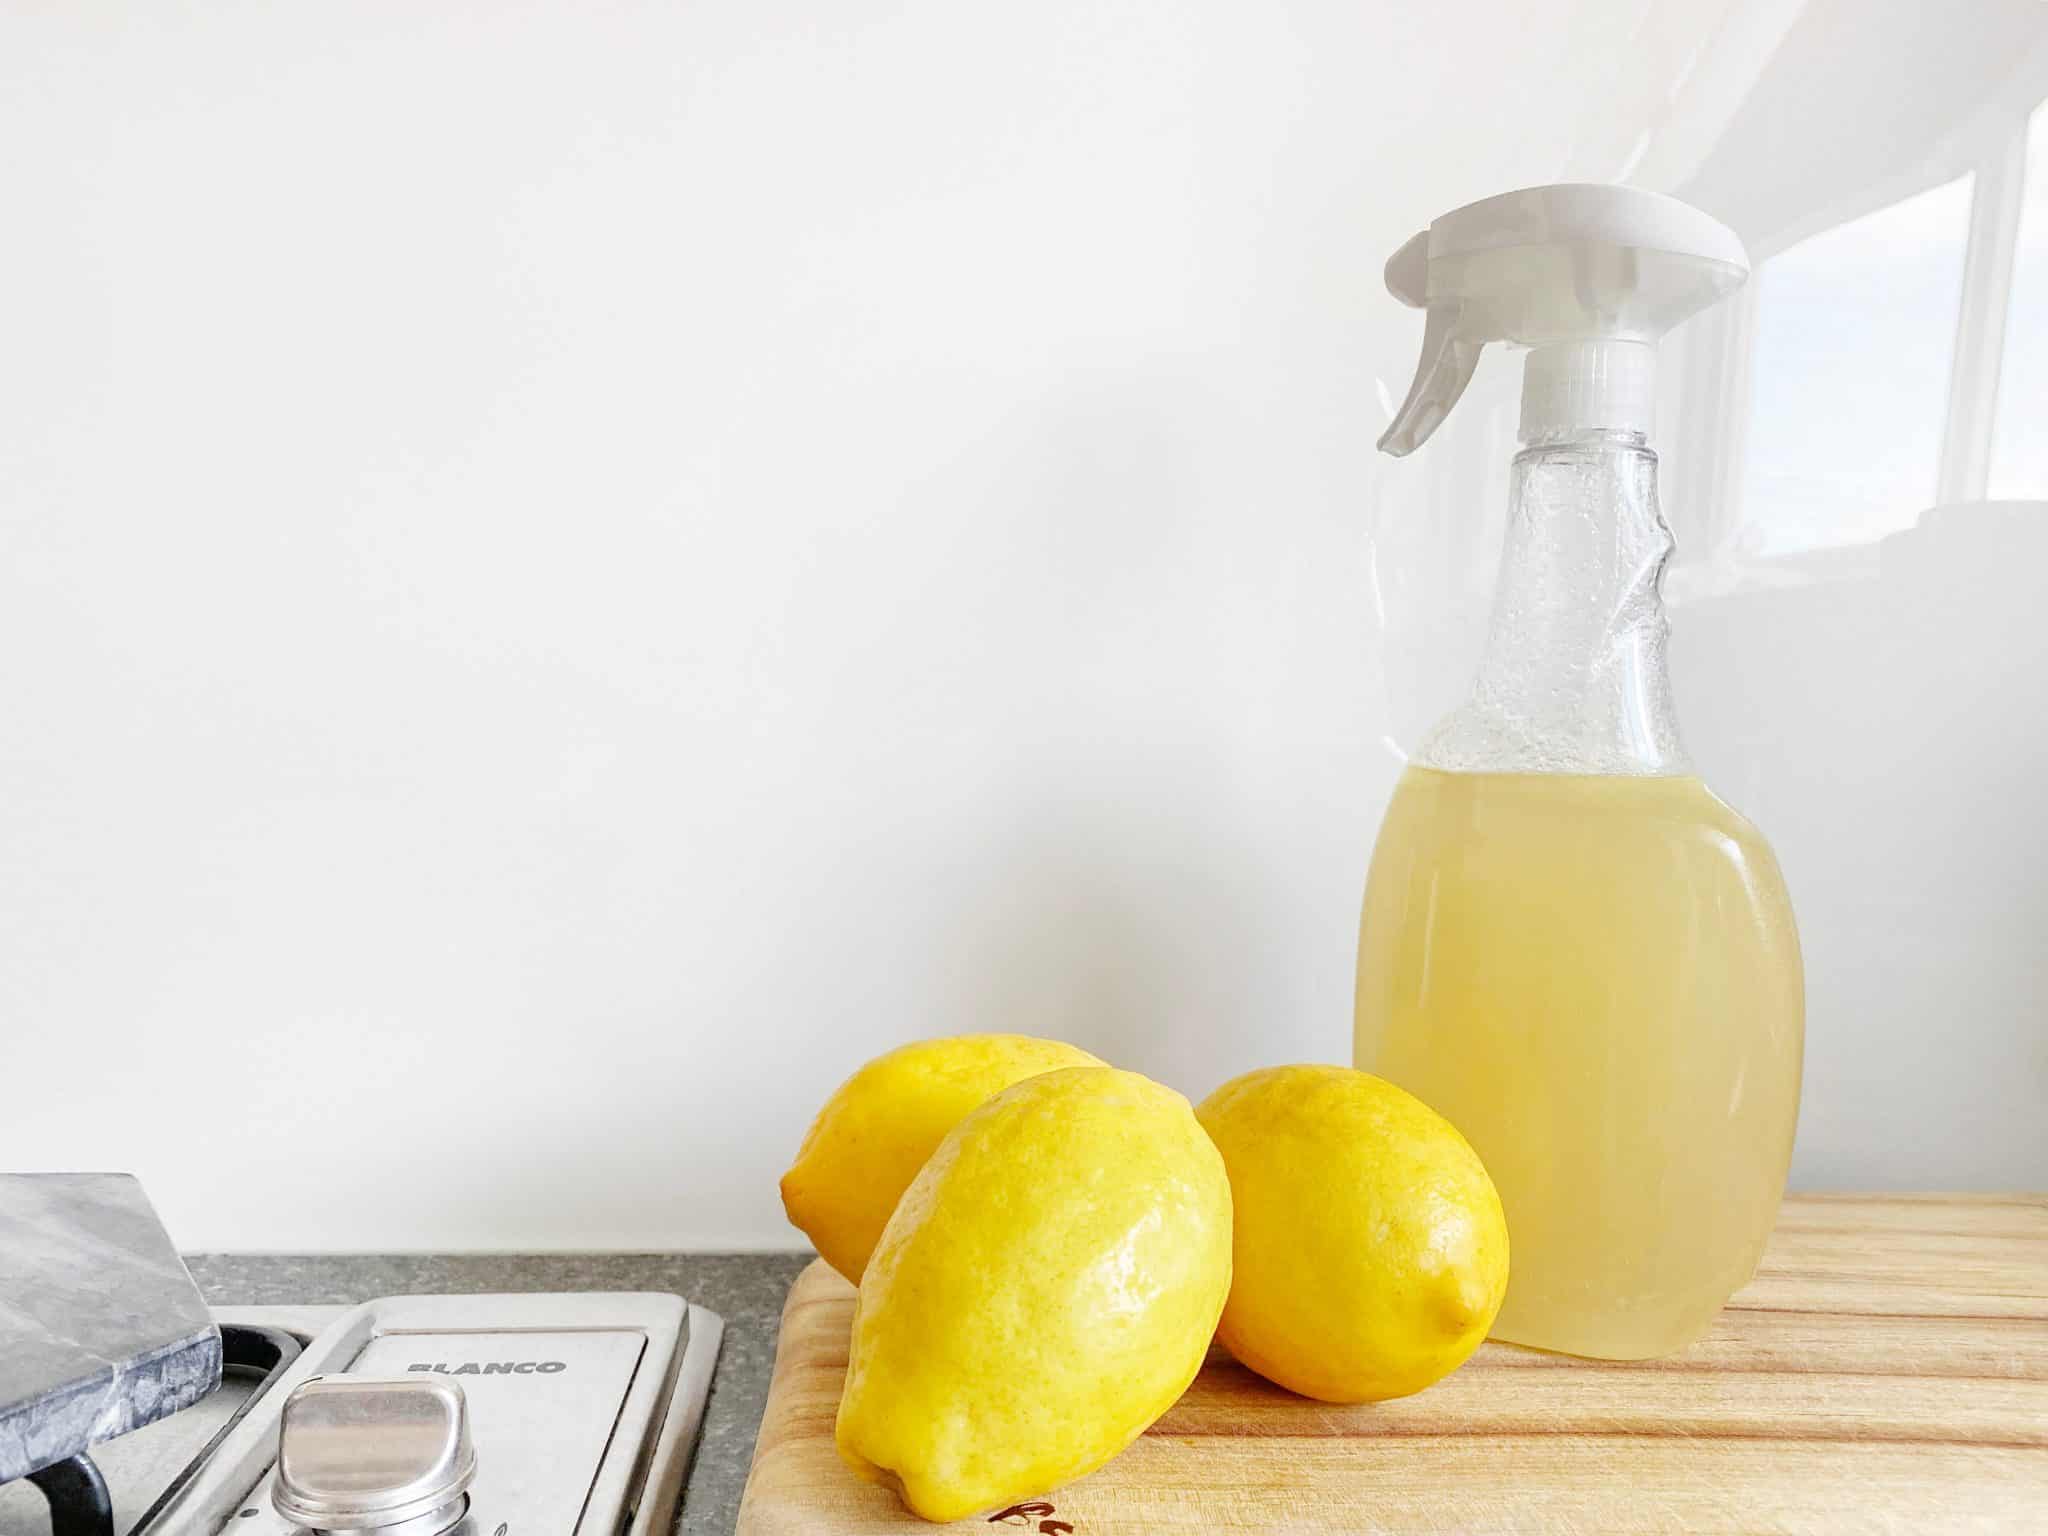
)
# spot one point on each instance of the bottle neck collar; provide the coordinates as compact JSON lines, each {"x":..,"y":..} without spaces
{"x":1602,"y":384}
{"x":1588,"y":437}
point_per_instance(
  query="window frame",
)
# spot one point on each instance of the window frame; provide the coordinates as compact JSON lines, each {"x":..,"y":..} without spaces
{"x":1715,"y":369}
{"x":1996,"y":192}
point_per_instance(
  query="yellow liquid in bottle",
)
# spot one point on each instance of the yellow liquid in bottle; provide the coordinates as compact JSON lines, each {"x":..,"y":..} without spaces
{"x":1597,"y":980}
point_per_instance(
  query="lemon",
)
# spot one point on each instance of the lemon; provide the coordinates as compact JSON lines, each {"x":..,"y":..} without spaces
{"x":1047,"y":1287}
{"x":875,"y":1133}
{"x":1371,"y":1250}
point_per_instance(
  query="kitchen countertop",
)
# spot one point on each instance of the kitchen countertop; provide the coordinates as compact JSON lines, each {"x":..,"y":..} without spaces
{"x":746,"y":1289}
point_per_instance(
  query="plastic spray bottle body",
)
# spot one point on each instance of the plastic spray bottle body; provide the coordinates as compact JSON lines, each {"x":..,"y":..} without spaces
{"x":1578,"y":954}
{"x":1570,"y":947}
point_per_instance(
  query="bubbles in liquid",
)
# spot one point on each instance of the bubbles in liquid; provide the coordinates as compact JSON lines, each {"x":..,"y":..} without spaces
{"x":1574,"y":678}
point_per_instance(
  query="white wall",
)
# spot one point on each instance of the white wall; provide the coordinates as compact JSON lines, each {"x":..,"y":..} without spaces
{"x":569,"y":573}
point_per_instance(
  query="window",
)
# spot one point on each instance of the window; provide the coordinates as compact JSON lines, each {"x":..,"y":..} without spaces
{"x":1892,"y":362}
{"x":1855,"y":337}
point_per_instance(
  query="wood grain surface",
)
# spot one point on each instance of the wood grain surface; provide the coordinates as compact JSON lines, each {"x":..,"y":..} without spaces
{"x":1886,"y":1370}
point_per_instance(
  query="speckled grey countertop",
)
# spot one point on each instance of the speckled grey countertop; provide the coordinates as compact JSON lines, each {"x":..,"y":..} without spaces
{"x":746,"y":1289}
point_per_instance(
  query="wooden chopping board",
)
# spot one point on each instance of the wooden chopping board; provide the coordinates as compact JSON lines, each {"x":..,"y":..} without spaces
{"x":1887,"y":1370}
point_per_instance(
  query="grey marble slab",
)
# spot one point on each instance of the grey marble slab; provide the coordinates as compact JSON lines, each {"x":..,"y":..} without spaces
{"x":746,"y":1289}
{"x":101,"y":1328}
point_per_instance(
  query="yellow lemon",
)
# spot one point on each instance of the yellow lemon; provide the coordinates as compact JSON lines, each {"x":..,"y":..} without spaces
{"x":872,"y":1136}
{"x":1371,"y":1253}
{"x":1047,"y":1288}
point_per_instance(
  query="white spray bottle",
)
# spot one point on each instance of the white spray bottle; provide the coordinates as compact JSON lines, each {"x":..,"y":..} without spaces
{"x":1570,"y":947}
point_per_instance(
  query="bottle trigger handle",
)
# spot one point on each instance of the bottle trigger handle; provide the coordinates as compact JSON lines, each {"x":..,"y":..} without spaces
{"x":1448,"y":360}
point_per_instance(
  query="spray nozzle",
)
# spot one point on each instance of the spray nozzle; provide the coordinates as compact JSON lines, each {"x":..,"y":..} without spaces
{"x":1590,"y":277}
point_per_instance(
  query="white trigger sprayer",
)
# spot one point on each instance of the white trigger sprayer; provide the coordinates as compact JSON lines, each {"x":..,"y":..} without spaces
{"x":1588,"y":277}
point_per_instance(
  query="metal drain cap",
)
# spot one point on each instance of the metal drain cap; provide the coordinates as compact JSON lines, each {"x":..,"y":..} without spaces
{"x":356,"y":1454}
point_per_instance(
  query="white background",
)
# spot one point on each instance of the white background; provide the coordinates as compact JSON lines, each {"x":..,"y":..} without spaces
{"x":568,"y":573}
